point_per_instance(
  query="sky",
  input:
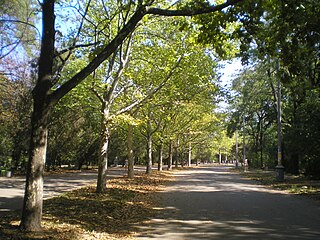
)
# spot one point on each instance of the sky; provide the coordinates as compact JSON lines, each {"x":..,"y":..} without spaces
{"x":229,"y":70}
{"x":227,"y":74}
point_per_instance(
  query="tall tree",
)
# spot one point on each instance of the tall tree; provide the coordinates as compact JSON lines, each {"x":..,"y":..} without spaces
{"x":254,"y":102}
{"x":46,"y":93}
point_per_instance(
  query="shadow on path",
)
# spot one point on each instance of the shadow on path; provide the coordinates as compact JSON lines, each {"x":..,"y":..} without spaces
{"x":12,"y":189}
{"x":212,"y":203}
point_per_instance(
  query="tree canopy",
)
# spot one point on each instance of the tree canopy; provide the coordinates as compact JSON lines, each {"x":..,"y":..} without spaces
{"x":138,"y":80}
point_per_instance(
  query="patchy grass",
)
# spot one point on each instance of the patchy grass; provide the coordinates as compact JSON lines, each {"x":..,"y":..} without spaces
{"x":293,"y":184}
{"x":83,"y":214}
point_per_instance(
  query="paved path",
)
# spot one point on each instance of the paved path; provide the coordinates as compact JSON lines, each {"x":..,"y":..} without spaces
{"x":12,"y":189}
{"x":212,"y":203}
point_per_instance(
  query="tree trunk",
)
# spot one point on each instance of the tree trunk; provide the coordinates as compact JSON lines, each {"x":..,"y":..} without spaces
{"x":33,"y":196}
{"x":103,"y":157}
{"x":189,"y":155}
{"x":149,"y":144}
{"x":149,"y":155}
{"x":170,"y":156}
{"x":176,"y":154}
{"x":130,"y":155}
{"x":160,"y":160}
{"x":261,"y":142}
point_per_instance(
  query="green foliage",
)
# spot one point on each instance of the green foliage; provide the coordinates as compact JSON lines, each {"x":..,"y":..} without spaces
{"x":75,"y":124}
{"x":15,"y":108}
{"x":307,"y":128}
{"x":17,"y":26}
{"x":254,"y":113}
{"x":283,"y":31}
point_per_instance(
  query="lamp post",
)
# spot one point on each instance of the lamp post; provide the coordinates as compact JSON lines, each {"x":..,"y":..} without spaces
{"x":279,"y":167}
{"x":237,"y":150}
{"x":244,"y":139}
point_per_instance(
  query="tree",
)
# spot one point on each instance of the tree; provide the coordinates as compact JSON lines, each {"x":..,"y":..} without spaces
{"x":291,"y":36}
{"x":46,"y":94}
{"x":283,"y":31}
{"x":255,"y":102}
{"x":15,"y":98}
{"x":74,"y":125}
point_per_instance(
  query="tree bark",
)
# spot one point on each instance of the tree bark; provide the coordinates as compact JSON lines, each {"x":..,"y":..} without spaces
{"x":170,"y":156}
{"x":103,"y":162}
{"x":189,"y":154}
{"x":160,"y":160}
{"x":176,"y":154}
{"x":33,"y":197}
{"x":130,"y":152}
{"x":103,"y":153}
{"x":149,"y":148}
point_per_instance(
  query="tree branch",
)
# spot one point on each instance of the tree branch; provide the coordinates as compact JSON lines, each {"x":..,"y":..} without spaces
{"x":57,"y":54}
{"x":152,"y":92}
{"x":191,"y":12}
{"x":97,"y":94}
{"x":141,"y":11}
{"x":101,"y":57}
{"x":22,"y":22}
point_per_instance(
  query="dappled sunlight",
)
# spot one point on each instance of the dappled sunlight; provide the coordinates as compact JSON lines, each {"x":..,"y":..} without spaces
{"x":212,"y":203}
{"x":210,"y":229}
{"x":207,"y":179}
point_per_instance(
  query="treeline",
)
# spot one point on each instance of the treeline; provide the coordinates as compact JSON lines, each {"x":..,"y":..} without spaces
{"x":153,"y":101}
{"x":286,"y":49}
{"x":106,"y":81}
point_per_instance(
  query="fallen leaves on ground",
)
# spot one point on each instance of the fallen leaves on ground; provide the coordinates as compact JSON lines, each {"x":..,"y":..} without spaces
{"x":84,"y":214}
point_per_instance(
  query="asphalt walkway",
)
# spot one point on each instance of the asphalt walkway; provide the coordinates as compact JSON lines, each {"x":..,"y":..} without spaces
{"x":12,"y":189}
{"x":214,"y":203}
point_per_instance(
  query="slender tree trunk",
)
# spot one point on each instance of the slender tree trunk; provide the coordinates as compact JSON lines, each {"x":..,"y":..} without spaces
{"x":261,"y":149}
{"x":176,"y":157}
{"x":149,"y":144}
{"x":170,"y":156}
{"x":33,"y":196}
{"x":103,"y":156}
{"x":160,"y":160}
{"x":130,"y":155}
{"x":260,"y":133}
{"x":149,"y":155}
{"x":189,"y":154}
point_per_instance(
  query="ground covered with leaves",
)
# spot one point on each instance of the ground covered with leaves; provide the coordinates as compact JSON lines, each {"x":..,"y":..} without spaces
{"x":295,"y":184}
{"x":83,"y":214}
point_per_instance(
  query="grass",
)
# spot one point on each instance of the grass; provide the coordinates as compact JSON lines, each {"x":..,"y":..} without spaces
{"x":83,"y":214}
{"x":299,"y":184}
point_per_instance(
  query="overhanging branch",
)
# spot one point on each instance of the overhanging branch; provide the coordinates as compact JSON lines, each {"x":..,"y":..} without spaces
{"x":191,"y":12}
{"x":122,"y":35}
